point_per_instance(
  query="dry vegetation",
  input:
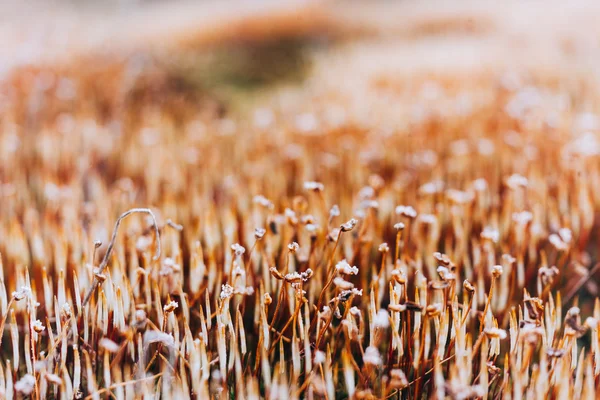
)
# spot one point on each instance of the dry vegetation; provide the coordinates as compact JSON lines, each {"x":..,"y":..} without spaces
{"x":425,"y":235}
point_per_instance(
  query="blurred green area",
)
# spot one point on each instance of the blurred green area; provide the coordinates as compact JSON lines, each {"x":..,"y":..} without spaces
{"x":237,"y":73}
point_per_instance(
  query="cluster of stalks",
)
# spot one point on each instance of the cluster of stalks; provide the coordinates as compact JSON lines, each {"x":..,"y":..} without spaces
{"x":440,"y":245}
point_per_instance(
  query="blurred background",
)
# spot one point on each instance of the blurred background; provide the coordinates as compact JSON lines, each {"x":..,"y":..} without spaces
{"x":121,"y":80}
{"x":238,"y":46}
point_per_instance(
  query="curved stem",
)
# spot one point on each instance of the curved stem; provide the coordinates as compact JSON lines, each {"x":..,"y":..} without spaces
{"x":111,"y":245}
